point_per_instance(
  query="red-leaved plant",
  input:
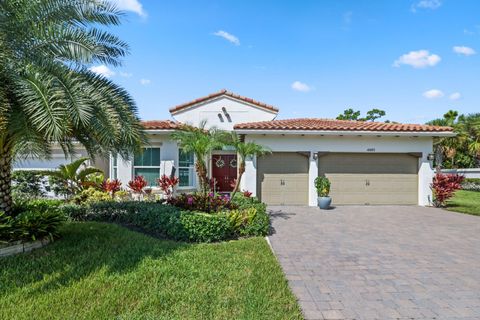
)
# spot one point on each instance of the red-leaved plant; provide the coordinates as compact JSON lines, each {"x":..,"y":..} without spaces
{"x":137,"y":184}
{"x":247,"y":194}
{"x":167,"y":185}
{"x":111,"y":186}
{"x":444,"y":187}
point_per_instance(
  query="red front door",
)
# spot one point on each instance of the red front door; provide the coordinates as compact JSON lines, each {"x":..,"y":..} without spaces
{"x":224,"y":171}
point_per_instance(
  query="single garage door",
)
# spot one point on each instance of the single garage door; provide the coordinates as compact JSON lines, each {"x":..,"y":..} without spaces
{"x":282,"y":178}
{"x":371,"y":178}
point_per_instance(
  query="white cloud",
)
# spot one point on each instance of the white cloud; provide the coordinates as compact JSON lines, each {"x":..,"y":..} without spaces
{"x":126,"y":74}
{"x":467,"y":51}
{"x":455,"y":96}
{"x":426,"y":4}
{"x":130,"y":5}
{"x":418,"y":59}
{"x":102,"y":70}
{"x":433,"y":94}
{"x":227,"y":36}
{"x":145,"y":82}
{"x":300,"y":86}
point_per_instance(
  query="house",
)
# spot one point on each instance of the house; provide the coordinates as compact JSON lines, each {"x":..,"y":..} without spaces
{"x":367,"y":162}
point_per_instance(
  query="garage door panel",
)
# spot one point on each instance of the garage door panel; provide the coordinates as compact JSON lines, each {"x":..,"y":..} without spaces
{"x":282,"y":179}
{"x":371,"y":178}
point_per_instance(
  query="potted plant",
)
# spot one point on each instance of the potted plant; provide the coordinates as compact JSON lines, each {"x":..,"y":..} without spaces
{"x":323,"y":189}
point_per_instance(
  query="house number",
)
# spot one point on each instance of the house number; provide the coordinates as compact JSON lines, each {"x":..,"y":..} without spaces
{"x":371,"y":150}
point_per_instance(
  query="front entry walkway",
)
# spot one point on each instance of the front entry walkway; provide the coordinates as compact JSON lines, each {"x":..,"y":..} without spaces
{"x":388,"y":262}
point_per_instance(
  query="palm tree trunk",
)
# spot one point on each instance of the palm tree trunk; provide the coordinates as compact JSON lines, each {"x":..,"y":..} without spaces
{"x":241,"y":171}
{"x":6,"y":179}
{"x":202,"y":176}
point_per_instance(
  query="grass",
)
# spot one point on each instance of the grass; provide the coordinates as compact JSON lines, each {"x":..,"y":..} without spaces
{"x":465,"y":202}
{"x":104,"y":271}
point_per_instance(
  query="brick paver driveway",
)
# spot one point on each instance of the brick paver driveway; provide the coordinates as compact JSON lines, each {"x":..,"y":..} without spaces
{"x":380,"y":262}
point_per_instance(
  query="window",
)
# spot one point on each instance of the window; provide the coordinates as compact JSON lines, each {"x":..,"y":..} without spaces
{"x":147,"y":164}
{"x":114,"y":167}
{"x":186,"y":172}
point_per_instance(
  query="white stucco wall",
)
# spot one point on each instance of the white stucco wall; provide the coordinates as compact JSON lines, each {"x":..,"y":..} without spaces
{"x":168,"y":159}
{"x":57,"y":158}
{"x":370,"y":144}
{"x":239,"y":112}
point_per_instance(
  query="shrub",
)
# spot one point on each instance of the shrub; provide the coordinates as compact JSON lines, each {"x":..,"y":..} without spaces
{"x":41,"y":205}
{"x":204,"y":227}
{"x":444,"y":187}
{"x":29,"y":184}
{"x":111,"y":186}
{"x":137,"y":184}
{"x":210,"y":202}
{"x":161,"y":220}
{"x":259,"y":224}
{"x":167,"y":184}
{"x":38,"y":222}
{"x":91,"y":195}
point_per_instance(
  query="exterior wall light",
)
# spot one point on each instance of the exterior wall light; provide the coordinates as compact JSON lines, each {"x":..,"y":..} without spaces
{"x":431,"y":157}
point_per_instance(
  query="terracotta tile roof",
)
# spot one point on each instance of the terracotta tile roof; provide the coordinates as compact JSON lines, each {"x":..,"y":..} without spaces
{"x":338,"y":125}
{"x":220,"y":93}
{"x":160,"y":125}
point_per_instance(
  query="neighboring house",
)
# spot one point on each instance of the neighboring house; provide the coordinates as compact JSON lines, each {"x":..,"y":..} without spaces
{"x":367,"y":162}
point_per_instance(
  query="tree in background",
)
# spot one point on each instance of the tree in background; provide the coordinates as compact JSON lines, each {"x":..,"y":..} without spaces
{"x":47,"y":94}
{"x":463,"y":150}
{"x":372,"y":115}
{"x":349,"y":114}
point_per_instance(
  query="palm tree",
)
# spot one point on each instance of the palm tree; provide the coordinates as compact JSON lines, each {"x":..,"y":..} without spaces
{"x":244,"y":151}
{"x":47,"y":94}
{"x":74,"y":176}
{"x":201,"y":141}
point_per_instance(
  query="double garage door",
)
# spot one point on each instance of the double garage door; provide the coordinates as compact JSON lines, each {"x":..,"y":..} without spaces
{"x":357,"y":178}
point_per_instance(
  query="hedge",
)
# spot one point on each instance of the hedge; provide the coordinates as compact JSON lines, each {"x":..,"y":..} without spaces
{"x":170,"y":222}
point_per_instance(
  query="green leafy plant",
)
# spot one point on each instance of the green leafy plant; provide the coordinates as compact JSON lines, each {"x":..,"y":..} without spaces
{"x":48,"y":95}
{"x":76,"y":176}
{"x":92,"y":195}
{"x":322,"y":184}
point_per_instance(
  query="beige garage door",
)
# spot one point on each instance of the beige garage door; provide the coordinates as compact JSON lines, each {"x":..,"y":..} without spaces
{"x":371,"y":178}
{"x":282,"y":178}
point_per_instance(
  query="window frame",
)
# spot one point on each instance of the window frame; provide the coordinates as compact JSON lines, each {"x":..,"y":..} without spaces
{"x":189,"y":168}
{"x":134,"y":167}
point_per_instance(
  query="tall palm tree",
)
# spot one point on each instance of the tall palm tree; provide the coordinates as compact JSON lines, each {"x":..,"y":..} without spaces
{"x":47,"y":94}
{"x":201,"y":141}
{"x":244,"y":151}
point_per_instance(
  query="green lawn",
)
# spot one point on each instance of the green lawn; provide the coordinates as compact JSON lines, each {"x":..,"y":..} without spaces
{"x":465,"y":202}
{"x":104,"y":271}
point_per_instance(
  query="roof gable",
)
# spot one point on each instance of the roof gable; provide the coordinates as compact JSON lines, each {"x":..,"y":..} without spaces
{"x":216,"y":95}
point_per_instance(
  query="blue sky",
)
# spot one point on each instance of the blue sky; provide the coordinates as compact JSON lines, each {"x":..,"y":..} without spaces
{"x":415,"y":59}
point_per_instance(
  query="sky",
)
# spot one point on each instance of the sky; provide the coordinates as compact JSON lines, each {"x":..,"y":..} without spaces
{"x":414,"y":59}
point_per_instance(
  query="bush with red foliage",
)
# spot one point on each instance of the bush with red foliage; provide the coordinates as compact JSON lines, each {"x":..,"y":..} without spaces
{"x":167,"y":184}
{"x":111,"y":186}
{"x":444,"y":187}
{"x":137,"y":184}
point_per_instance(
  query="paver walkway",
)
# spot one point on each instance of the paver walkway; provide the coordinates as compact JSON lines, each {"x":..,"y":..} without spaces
{"x":388,"y":262}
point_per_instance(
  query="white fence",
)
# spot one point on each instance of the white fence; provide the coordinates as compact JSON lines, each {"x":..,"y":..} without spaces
{"x":473,"y":173}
